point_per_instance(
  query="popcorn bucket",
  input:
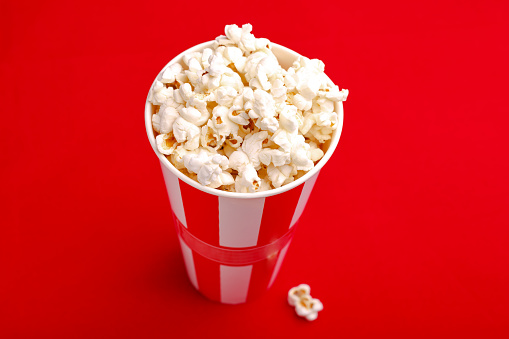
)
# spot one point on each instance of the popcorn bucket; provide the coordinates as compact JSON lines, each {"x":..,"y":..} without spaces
{"x":233,"y":244}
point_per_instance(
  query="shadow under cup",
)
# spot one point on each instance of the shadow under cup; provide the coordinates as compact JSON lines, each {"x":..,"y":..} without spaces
{"x":233,"y":244}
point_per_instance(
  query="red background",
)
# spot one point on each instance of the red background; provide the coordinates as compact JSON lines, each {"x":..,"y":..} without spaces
{"x":405,"y":236}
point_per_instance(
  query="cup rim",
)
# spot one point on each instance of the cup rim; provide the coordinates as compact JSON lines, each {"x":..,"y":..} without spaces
{"x":338,"y":107}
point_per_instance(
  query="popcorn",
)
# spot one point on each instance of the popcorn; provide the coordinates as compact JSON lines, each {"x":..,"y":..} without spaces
{"x":165,"y":144}
{"x":209,"y":139}
{"x":247,"y":180}
{"x":238,"y":160}
{"x":234,"y":54}
{"x":232,"y":79}
{"x":205,"y":56}
{"x":225,"y":95}
{"x":278,"y":90}
{"x":169,"y":75}
{"x":238,"y":116}
{"x":194,"y":116}
{"x":321,"y":134}
{"x":299,"y":154}
{"x":233,"y":32}
{"x":223,"y":179}
{"x":308,"y":308}
{"x":208,"y":166}
{"x":159,"y":93}
{"x":297,"y":292}
{"x":221,"y":123}
{"x":185,"y":92}
{"x":301,"y":102}
{"x":187,"y":133}
{"x":314,"y":153}
{"x":288,"y":118}
{"x":264,"y":110}
{"x":259,"y":68}
{"x":278,"y":175}
{"x":252,"y":146}
{"x":305,"y":306}
{"x":164,"y":119}
{"x":231,"y":118}
{"x":217,"y":66}
{"x":269,"y":156}
{"x":283,"y":139}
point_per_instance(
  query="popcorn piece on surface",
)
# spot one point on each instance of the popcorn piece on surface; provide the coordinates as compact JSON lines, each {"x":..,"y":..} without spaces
{"x":308,"y":308}
{"x":305,"y":306}
{"x":297,"y":292}
{"x":231,"y":118}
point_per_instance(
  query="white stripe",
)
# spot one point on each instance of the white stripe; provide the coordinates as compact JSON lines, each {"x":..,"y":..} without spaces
{"x":187,"y":253}
{"x":234,"y":283}
{"x":279,"y":261}
{"x":304,"y":196}
{"x":173,"y":188}
{"x":239,"y":221}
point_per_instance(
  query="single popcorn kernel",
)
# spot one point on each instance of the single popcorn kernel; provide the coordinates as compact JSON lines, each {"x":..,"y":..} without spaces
{"x":232,"y":113}
{"x":305,"y":305}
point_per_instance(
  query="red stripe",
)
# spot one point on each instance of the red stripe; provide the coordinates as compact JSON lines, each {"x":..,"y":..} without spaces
{"x":260,"y":277}
{"x":207,"y":274}
{"x":277,"y":215}
{"x":202,"y":213}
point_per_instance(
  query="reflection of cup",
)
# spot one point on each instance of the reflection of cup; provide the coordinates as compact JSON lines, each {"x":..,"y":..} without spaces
{"x":233,"y":244}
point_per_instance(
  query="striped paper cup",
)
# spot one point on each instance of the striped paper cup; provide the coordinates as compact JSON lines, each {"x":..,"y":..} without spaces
{"x":233,"y":244}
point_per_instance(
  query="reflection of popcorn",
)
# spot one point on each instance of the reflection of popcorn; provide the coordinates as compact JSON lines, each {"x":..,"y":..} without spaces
{"x":305,"y":306}
{"x":232,"y":118}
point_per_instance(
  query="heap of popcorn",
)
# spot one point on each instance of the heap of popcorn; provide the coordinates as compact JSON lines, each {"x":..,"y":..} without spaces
{"x":230,"y":117}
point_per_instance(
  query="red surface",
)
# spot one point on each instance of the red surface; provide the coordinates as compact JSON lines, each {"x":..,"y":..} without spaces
{"x":406,"y":235}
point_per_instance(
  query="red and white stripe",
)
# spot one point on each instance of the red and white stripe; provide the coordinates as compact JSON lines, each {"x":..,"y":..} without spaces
{"x":233,"y":248}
